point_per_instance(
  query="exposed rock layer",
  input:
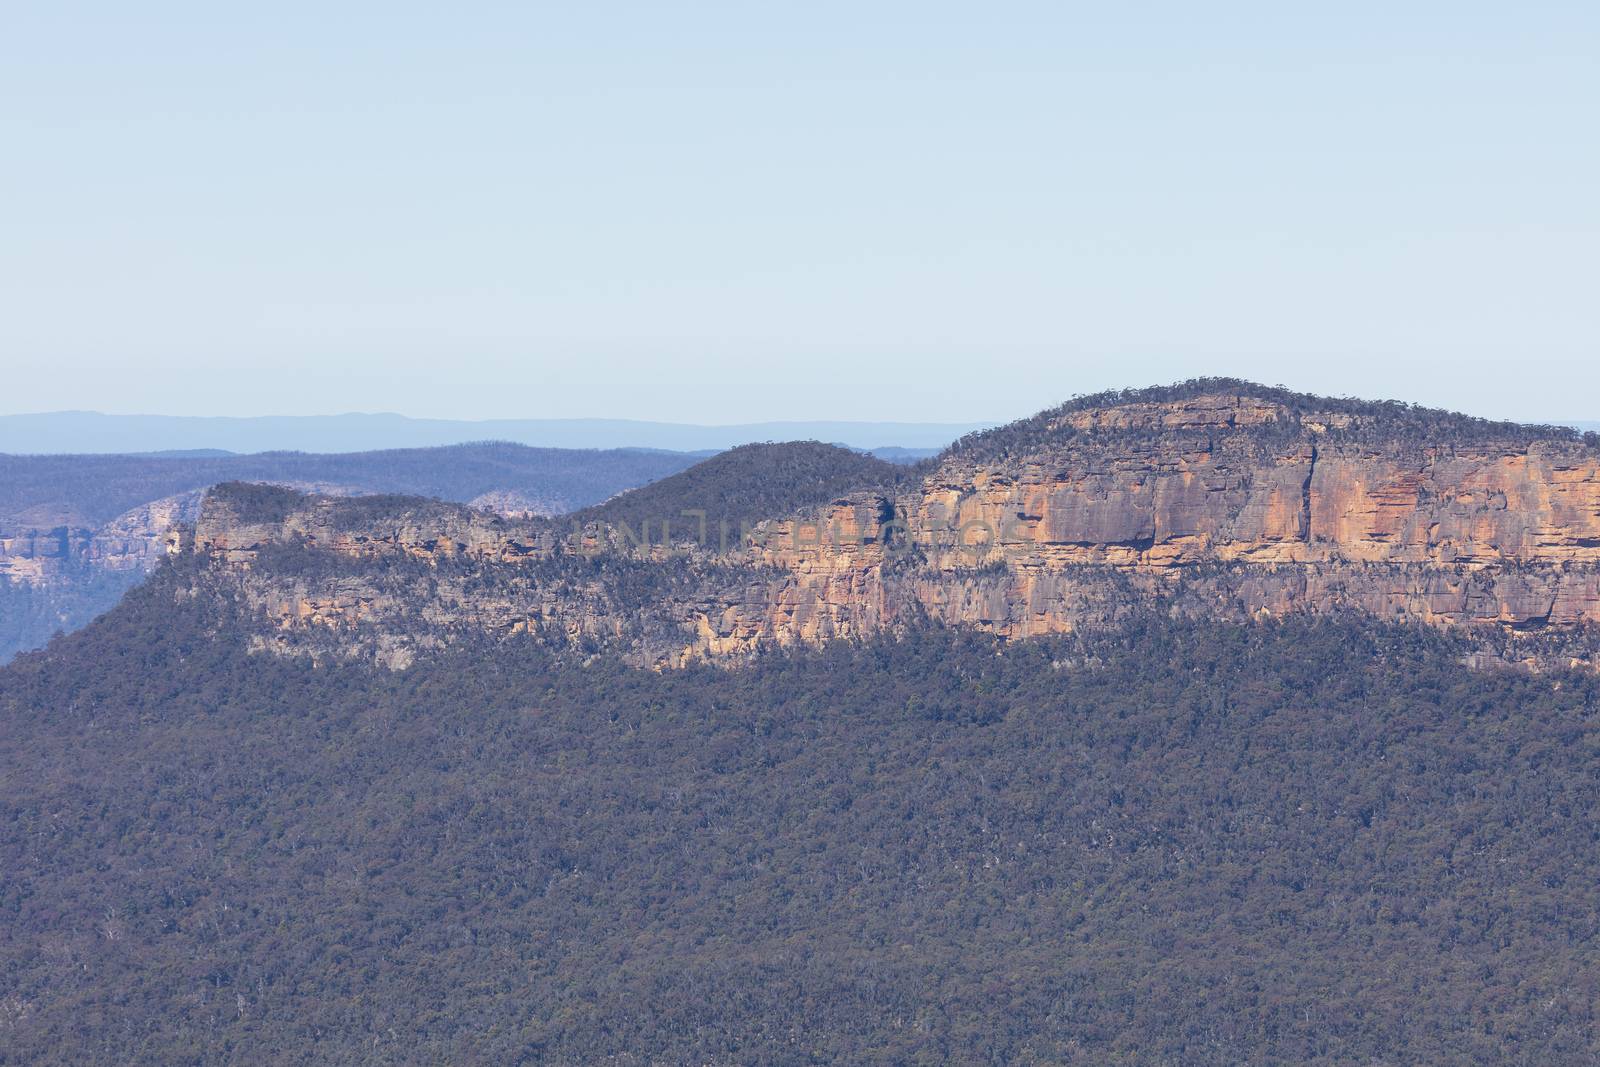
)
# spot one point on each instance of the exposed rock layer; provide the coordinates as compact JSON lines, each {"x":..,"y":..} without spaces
{"x":1225,"y":504}
{"x":35,"y":554}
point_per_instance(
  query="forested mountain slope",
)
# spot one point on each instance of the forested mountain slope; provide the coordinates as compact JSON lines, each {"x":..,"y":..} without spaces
{"x":1207,"y":751}
{"x":1319,"y":842}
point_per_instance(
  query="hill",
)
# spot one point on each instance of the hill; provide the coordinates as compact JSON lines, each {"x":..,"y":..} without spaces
{"x":753,"y":482}
{"x":1316,"y":842}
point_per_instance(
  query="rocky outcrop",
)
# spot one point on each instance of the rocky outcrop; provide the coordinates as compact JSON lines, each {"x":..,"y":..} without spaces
{"x":1471,"y":535}
{"x":31,"y":554}
{"x":1219,"y":504}
{"x":514,"y":504}
{"x":66,"y":555}
{"x":133,"y":541}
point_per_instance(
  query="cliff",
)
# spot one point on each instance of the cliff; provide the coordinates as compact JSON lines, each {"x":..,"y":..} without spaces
{"x":35,"y":550}
{"x":1228,"y":501}
{"x":76,"y":531}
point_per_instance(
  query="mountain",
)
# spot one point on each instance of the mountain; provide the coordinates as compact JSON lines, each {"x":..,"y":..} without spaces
{"x":89,"y":431}
{"x":1207,"y":724}
{"x":77,"y":530}
{"x":1214,"y":499}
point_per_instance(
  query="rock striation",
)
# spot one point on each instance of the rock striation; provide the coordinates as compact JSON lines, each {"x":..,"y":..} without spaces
{"x":34,"y":552}
{"x":1216,"y":499}
{"x":77,"y":531}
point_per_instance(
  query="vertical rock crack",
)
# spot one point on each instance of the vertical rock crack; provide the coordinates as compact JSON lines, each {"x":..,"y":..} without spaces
{"x":1305,"y":497}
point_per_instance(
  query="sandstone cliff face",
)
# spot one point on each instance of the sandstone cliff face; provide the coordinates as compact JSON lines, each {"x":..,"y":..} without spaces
{"x":134,"y":541}
{"x":66,"y":556}
{"x":1226,"y":505}
{"x":1209,"y":515}
{"x":39,"y":549}
{"x":1460,"y":536}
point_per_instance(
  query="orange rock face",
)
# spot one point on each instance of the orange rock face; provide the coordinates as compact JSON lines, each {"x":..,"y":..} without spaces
{"x":1472,"y":534}
{"x":1222,"y":506}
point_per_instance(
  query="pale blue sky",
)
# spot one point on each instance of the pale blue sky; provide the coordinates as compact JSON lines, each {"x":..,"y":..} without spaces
{"x":729,"y":212}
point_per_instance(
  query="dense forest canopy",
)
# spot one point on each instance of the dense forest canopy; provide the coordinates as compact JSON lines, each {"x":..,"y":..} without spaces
{"x":1308,"y":842}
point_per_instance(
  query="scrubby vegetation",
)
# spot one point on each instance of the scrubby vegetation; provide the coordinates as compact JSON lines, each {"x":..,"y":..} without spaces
{"x":258,"y":502}
{"x":1391,"y":423}
{"x":1191,"y":844}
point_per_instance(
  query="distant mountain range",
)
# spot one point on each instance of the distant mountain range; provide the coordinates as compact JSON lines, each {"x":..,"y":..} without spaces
{"x":90,"y":431}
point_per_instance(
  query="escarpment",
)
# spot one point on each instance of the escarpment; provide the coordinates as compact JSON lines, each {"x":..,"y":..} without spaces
{"x":1212,"y":499}
{"x":77,"y":531}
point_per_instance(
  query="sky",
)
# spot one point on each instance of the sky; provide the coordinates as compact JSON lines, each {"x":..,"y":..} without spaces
{"x":734,"y":212}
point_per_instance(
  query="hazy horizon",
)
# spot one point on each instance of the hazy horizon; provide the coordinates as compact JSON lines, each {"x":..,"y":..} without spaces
{"x":1555,"y":415}
{"x":80,"y":432}
{"x":91,"y":432}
